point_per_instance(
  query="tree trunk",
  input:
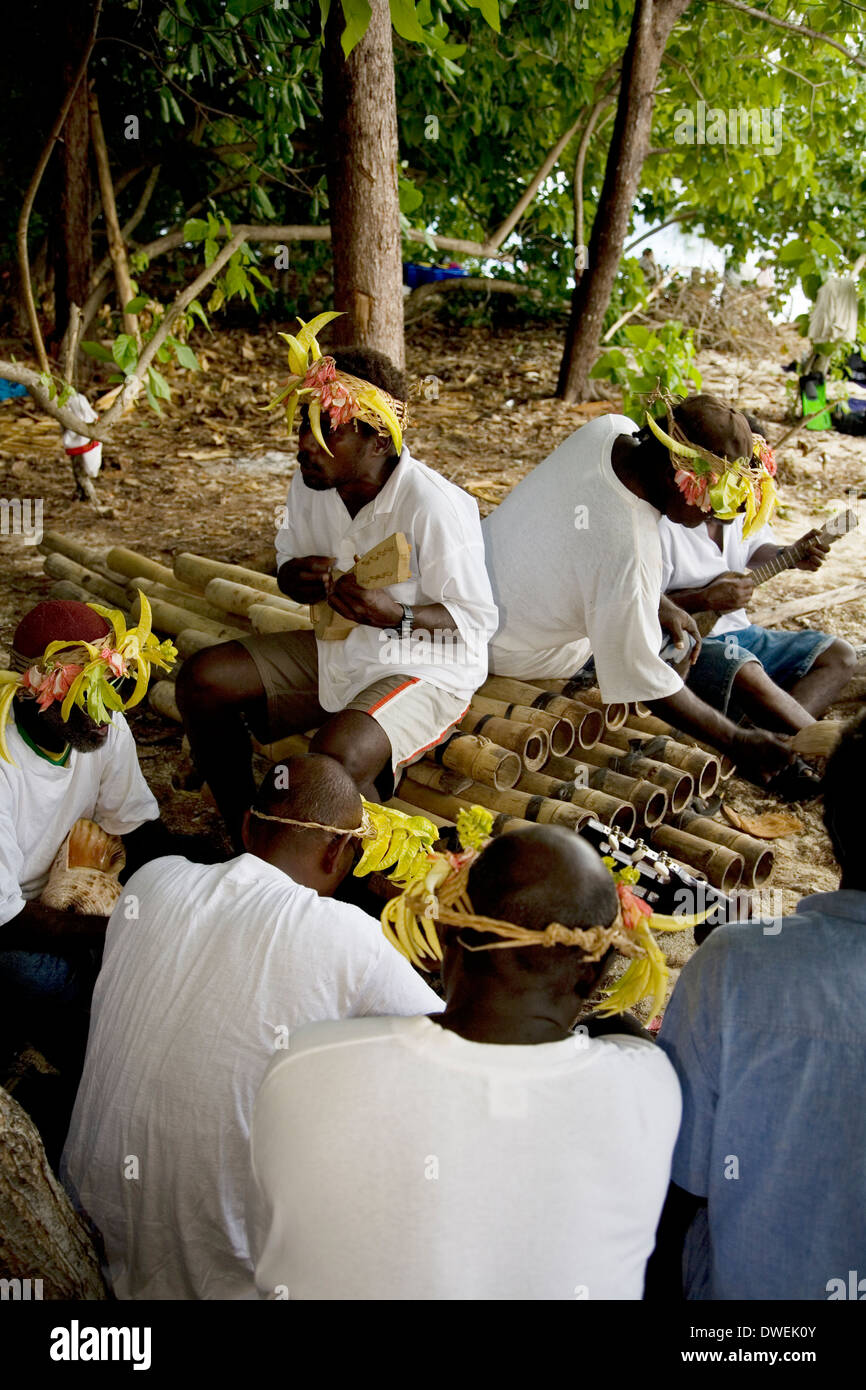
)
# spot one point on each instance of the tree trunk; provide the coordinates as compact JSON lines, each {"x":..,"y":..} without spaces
{"x":73,"y":264}
{"x":652,"y":23}
{"x":361,"y":128}
{"x":42,"y":1239}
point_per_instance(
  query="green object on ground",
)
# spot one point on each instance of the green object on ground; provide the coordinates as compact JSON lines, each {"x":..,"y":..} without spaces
{"x":814,"y":399}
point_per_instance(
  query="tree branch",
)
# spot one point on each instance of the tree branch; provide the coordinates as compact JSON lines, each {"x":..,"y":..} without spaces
{"x":116,"y":243}
{"x":679,"y":217}
{"x":594,"y":114}
{"x":33,"y":187}
{"x":792,"y":28}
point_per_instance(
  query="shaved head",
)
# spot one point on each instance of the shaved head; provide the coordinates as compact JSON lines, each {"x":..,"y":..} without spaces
{"x":309,"y":788}
{"x":710,"y":422}
{"x":534,"y":877}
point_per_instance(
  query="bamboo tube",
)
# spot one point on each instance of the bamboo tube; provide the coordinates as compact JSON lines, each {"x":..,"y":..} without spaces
{"x":293,"y":746}
{"x":649,"y":800}
{"x":441,"y":779}
{"x":265,"y":618}
{"x":471,"y":754}
{"x":445,"y":806}
{"x":758,"y":857}
{"x":136,"y":566}
{"x":727,"y":767}
{"x":703,"y":767}
{"x":162,"y":699}
{"x":541,"y":809}
{"x":197,"y":571}
{"x":409,"y":810}
{"x":609,"y":809}
{"x":589,"y":723}
{"x":679,"y":785}
{"x":722,"y":866}
{"x":531,"y":743}
{"x":64,"y":588}
{"x":232,"y":597}
{"x":641,"y":710}
{"x":614,"y":715}
{"x":54,"y":543}
{"x":100,"y":589}
{"x":649,"y":724}
{"x":192,"y":640}
{"x":171,"y":618}
{"x":561,"y":730}
{"x":193,"y":603}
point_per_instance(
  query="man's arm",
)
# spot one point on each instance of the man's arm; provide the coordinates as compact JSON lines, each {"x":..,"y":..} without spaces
{"x":41,"y":928}
{"x":725,"y":594}
{"x":664,"y":1271}
{"x":755,"y":751}
{"x":376,"y":608}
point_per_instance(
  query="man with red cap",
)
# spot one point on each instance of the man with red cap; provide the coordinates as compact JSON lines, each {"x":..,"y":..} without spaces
{"x":66,"y":753}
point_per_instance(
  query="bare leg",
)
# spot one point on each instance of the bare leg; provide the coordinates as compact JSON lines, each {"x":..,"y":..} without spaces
{"x":765,"y":703}
{"x":216,"y":688}
{"x":359,"y":743}
{"x":828,"y":676}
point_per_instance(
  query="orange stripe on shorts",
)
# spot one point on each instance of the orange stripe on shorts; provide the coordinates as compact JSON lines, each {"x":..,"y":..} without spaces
{"x":413,"y":680}
{"x":438,"y":740}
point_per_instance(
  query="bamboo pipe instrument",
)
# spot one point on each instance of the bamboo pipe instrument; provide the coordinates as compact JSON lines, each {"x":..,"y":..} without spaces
{"x":193,"y":603}
{"x":136,"y":566}
{"x":293,"y":746}
{"x":649,"y":800}
{"x":532,"y":744}
{"x":588,"y":723}
{"x":679,"y":785}
{"x":430,"y":801}
{"x":162,"y":698}
{"x":233,"y":597}
{"x":266,"y":618}
{"x":101,"y":590}
{"x":703,"y":767}
{"x":192,"y":640}
{"x":614,"y":715}
{"x":541,"y":809}
{"x":171,"y":618}
{"x":561,"y":730}
{"x":722,"y":866}
{"x":651,"y":725}
{"x":758,"y":857}
{"x":197,"y":571}
{"x":609,"y":809}
{"x":441,"y":779}
{"x":408,"y":809}
{"x":55,"y":543}
{"x":473,"y":755}
{"x":64,"y":588}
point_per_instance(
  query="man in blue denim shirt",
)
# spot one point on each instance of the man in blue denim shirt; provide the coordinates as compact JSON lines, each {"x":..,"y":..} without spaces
{"x":767,"y":1032}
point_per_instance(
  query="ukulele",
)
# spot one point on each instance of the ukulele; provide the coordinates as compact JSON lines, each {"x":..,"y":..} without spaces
{"x":787,"y":559}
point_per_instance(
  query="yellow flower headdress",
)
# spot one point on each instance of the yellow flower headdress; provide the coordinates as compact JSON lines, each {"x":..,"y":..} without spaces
{"x":85,"y":673}
{"x":718,"y":484}
{"x":435,"y":890}
{"x":316,"y":383}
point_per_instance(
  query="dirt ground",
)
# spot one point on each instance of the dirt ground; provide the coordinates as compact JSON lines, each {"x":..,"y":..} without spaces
{"x":210,"y":475}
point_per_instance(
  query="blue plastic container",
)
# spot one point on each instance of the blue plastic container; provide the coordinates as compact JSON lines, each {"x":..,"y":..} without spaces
{"x":10,"y":389}
{"x":415,"y":275}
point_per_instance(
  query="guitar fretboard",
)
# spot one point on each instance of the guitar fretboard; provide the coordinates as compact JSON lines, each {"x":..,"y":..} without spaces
{"x":791,"y":555}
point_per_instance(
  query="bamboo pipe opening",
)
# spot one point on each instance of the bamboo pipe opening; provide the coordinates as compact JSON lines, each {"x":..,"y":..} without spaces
{"x":590,"y":729}
{"x":653,"y":810}
{"x":562,"y":737}
{"x":762,"y":869}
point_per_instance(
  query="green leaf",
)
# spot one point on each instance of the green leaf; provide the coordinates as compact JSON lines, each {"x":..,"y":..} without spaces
{"x":159,"y":384}
{"x":357,"y":14}
{"x":125,"y":351}
{"x":196,"y":229}
{"x":136,"y":305}
{"x":98,"y":351}
{"x":186,"y":357}
{"x":211,"y":251}
{"x":489,"y":9}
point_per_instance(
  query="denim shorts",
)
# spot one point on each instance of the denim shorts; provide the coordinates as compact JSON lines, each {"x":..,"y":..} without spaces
{"x":785,"y":656}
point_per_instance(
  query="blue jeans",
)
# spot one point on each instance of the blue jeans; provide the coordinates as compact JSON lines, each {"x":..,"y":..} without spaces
{"x":785,"y":656}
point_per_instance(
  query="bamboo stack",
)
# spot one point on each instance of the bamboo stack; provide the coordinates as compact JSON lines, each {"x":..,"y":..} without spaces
{"x":549,"y":751}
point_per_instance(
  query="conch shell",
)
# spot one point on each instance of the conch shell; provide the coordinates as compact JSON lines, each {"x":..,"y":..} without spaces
{"x":83,"y":877}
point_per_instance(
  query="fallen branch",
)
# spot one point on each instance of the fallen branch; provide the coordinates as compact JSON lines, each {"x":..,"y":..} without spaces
{"x":815,"y":603}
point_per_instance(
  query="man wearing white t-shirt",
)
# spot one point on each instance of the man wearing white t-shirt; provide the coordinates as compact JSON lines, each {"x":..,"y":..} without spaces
{"x":781,"y":680}
{"x":485,"y":1153}
{"x":200,"y":986}
{"x":574,"y":558}
{"x":404,"y":676}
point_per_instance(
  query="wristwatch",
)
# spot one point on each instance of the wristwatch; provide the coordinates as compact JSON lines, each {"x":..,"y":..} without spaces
{"x":408,"y":619}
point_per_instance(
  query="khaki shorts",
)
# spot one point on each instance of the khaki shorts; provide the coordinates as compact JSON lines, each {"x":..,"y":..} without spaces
{"x":414,"y":714}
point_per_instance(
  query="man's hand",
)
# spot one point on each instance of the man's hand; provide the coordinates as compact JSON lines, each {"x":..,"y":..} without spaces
{"x":681,"y":625}
{"x":816,"y":552}
{"x":729,"y":592}
{"x":371,"y":607}
{"x":305,"y":579}
{"x":759,"y":755}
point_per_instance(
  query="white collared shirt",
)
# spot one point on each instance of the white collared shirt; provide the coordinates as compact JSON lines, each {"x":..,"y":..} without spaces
{"x":207,"y":968}
{"x":691,"y":560}
{"x":441,"y":523}
{"x":40,"y":802}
